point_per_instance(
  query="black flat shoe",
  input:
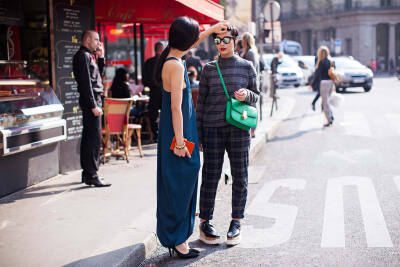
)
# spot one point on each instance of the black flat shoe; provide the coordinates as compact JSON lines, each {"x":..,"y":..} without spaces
{"x":233,"y":236}
{"x":96,"y":182}
{"x":194,"y":250}
{"x":208,"y":234}
{"x":188,"y":255}
{"x":313,"y":107}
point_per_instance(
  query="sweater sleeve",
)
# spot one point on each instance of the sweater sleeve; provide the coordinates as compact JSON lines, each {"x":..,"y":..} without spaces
{"x":252,"y":89}
{"x":203,"y":92}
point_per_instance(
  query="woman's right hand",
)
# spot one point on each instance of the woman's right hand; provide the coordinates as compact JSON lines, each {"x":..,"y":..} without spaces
{"x":182,"y":152}
{"x":220,"y":27}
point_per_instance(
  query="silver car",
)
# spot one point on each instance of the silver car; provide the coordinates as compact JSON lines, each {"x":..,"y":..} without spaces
{"x":352,"y":73}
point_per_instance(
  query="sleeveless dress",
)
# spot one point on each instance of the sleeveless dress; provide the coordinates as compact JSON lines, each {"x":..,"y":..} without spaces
{"x":176,"y":177}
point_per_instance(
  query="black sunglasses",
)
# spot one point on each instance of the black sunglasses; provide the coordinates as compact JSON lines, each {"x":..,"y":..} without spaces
{"x":226,"y":40}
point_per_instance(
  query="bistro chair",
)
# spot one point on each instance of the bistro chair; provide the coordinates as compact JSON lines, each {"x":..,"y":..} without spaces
{"x":116,"y":114}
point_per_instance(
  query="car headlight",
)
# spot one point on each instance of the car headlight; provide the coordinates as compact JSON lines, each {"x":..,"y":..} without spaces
{"x":370,"y":74}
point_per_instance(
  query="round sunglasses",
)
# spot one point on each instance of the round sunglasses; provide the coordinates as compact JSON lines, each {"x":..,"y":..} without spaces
{"x":226,"y":40}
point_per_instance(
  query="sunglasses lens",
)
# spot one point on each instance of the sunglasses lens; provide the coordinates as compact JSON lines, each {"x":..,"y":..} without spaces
{"x":217,"y":41}
{"x":226,"y":40}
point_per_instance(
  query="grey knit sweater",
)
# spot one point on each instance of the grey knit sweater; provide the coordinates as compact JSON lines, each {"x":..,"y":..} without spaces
{"x":211,"y":104}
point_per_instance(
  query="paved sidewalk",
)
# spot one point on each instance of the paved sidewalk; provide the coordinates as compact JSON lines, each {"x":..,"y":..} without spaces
{"x":62,"y":222}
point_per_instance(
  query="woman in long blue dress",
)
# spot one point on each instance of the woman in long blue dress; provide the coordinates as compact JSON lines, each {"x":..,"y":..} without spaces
{"x":177,"y":170}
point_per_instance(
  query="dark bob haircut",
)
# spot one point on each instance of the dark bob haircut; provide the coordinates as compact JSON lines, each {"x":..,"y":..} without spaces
{"x":183,"y":33}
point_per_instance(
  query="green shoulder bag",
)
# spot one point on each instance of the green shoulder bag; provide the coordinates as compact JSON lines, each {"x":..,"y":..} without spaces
{"x":238,"y":113}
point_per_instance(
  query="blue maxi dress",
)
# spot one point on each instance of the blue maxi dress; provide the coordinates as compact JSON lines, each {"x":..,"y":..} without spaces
{"x":177,"y":177}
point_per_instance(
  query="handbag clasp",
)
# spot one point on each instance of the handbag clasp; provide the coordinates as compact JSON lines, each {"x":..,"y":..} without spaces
{"x":244,"y":114}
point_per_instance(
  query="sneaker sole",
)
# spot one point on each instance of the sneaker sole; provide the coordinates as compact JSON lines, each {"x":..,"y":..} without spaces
{"x":233,"y":241}
{"x":209,"y":240}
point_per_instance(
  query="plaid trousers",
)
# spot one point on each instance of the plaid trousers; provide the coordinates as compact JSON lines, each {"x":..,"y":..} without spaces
{"x":237,"y":143}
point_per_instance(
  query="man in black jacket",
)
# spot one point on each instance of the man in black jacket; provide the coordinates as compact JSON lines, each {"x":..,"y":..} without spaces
{"x":88,"y":74}
{"x":155,"y":91}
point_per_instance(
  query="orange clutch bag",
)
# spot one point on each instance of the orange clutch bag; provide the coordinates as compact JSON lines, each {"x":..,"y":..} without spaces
{"x":189,"y":145}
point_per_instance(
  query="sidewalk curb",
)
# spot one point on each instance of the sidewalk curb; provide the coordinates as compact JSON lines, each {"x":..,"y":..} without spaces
{"x":140,"y":252}
{"x":265,"y":131}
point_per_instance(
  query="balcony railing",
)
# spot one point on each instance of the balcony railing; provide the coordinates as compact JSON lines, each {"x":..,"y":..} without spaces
{"x":337,"y":9}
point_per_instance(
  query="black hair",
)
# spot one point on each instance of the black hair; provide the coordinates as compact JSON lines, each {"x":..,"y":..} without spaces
{"x":183,"y":33}
{"x":119,"y":78}
{"x":158,"y":46}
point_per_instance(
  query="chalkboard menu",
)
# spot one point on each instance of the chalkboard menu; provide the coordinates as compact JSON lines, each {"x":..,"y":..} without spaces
{"x":11,"y":12}
{"x":70,"y":19}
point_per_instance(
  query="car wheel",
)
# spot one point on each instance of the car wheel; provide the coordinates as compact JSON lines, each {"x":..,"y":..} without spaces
{"x":367,"y":88}
{"x":296,"y":85}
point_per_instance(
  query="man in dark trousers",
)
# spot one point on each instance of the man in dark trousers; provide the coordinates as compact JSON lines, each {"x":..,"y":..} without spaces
{"x":274,"y":69}
{"x":88,"y":74}
{"x":155,"y":91}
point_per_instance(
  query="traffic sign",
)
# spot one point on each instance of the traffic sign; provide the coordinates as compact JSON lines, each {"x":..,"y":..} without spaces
{"x":272,"y":11}
{"x":338,"y":46}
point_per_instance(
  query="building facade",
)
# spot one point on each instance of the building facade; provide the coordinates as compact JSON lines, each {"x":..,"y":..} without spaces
{"x":365,"y":29}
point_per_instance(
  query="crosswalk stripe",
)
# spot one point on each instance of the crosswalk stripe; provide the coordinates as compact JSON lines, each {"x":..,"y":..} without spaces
{"x":397,"y":182}
{"x":394,"y":119}
{"x":311,"y":121}
{"x":333,"y":233}
{"x":355,"y":123}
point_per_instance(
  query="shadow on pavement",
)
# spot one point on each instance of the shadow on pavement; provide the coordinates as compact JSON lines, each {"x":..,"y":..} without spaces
{"x":120,"y":257}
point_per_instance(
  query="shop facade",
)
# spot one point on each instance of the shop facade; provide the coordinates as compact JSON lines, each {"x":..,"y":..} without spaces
{"x":40,"y":118}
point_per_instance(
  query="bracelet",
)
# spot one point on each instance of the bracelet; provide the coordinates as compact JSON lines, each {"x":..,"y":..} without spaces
{"x":180,"y":147}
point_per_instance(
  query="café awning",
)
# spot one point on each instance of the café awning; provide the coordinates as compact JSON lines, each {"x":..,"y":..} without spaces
{"x":157,"y":11}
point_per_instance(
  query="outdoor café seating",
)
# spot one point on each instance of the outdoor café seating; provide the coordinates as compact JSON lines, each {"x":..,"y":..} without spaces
{"x":116,"y":116}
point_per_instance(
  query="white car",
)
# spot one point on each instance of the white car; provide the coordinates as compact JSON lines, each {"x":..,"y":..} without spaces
{"x":289,"y":72}
{"x":307,"y":65}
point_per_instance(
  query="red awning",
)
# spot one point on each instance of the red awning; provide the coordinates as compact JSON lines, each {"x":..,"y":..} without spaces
{"x":157,"y":11}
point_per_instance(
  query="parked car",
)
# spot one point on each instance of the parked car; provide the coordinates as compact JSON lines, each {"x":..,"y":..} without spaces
{"x":289,"y":72}
{"x":353,"y":74}
{"x":307,"y":66}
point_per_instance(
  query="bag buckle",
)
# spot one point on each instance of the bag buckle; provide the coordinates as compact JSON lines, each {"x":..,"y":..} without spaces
{"x":244,"y":114}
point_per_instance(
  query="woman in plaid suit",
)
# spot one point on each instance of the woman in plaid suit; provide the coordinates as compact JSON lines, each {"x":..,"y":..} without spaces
{"x":217,"y":136}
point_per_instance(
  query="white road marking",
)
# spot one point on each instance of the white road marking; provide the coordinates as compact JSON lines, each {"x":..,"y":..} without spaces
{"x":333,"y":234}
{"x":397,"y":182}
{"x":394,"y":119}
{"x":356,"y":124}
{"x":284,"y":215}
{"x":312,"y":122}
{"x":4,"y":224}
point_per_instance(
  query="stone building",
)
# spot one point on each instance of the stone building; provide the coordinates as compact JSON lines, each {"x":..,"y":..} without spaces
{"x":365,"y":29}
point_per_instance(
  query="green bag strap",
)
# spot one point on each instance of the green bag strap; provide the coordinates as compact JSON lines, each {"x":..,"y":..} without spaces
{"x":222,"y":81}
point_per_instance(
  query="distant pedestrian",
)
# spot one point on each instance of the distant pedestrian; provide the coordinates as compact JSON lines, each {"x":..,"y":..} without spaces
{"x":373,"y":65}
{"x":216,"y":135}
{"x":177,"y":170}
{"x":194,"y":61}
{"x":391,"y":67}
{"x":315,"y":82}
{"x":250,"y":53}
{"x":88,"y":73}
{"x":327,"y":86}
{"x":155,"y":103}
{"x":274,"y":71}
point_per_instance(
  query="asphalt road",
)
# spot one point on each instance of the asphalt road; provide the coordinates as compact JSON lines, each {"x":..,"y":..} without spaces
{"x":318,"y":197}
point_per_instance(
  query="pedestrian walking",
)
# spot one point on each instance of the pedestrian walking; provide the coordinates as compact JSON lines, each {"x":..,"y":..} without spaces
{"x":155,"y":103}
{"x":315,"y":82}
{"x":88,"y":68}
{"x":327,"y":86}
{"x":274,"y":71}
{"x":250,"y":53}
{"x":217,"y":136}
{"x":177,"y":170}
